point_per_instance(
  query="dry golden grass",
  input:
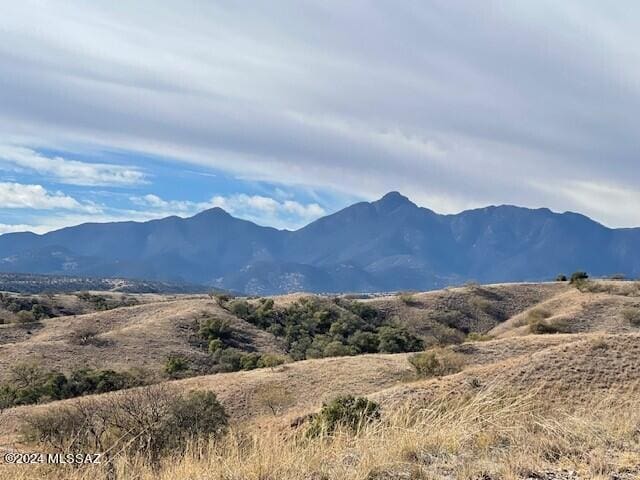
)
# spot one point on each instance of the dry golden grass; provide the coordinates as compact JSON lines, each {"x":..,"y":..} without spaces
{"x":599,"y":309}
{"x":309,"y":382}
{"x":493,"y":434}
{"x":522,"y":405}
{"x":142,"y":336}
{"x":575,"y":370}
{"x":478,"y":308}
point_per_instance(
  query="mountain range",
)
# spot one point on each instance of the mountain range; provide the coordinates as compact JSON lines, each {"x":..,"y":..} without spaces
{"x":386,"y":245}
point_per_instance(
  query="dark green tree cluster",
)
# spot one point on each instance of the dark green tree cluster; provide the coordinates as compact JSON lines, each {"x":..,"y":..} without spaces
{"x":233,"y":359}
{"x":218,"y":334}
{"x":101,"y":303}
{"x":314,"y":328}
{"x":29,"y":384}
{"x":28,"y":309}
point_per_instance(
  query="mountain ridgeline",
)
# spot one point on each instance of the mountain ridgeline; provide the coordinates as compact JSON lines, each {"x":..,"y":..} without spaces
{"x":390,"y":244}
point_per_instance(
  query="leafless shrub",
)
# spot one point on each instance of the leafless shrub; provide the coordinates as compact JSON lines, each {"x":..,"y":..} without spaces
{"x":147,"y":422}
{"x":437,"y":362}
{"x":632,"y":315}
{"x":87,"y":336}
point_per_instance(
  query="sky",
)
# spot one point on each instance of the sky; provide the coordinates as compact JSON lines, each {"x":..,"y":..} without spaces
{"x":281,"y":112}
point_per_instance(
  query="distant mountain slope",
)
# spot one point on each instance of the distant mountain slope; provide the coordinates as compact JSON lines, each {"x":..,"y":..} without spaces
{"x":389,"y":244}
{"x":34,"y":283}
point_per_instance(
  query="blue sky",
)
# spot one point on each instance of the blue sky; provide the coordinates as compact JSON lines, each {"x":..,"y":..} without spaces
{"x":283,"y":111}
{"x":47,"y":189}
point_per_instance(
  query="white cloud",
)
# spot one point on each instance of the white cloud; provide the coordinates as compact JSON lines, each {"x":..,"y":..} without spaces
{"x":257,"y":208}
{"x":9,"y":228}
{"x":18,"y":195}
{"x":70,"y":172}
{"x":173,"y":206}
{"x":312,"y":210}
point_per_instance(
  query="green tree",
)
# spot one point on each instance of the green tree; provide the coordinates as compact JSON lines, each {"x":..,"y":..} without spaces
{"x":397,"y":340}
{"x":176,"y":365}
{"x":365,"y":342}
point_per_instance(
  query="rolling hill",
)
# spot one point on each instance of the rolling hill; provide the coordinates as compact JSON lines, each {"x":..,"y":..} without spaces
{"x":522,"y":405}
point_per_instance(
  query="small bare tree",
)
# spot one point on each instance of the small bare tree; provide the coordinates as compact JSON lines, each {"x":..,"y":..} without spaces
{"x":272,"y":397}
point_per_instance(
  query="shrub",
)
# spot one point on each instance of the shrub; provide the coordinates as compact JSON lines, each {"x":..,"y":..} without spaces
{"x":542,"y":327}
{"x":632,"y":315}
{"x":87,"y":336}
{"x":229,"y":359}
{"x":249,"y":361}
{"x":39,"y":312}
{"x":578,"y":277}
{"x":198,"y":414}
{"x":344,"y":412}
{"x":561,"y":278}
{"x":212,"y":328}
{"x":239,"y":308}
{"x":337,"y":349}
{"x":149,"y":422}
{"x":436,"y":363}
{"x":273,"y":397}
{"x":269,"y":360}
{"x":221,"y":298}
{"x":369,"y":314}
{"x":408,"y":299}
{"x":215,"y":345}
{"x":478,"y":337}
{"x":99,"y":302}
{"x":86,"y":381}
{"x":397,"y":340}
{"x":537,"y":315}
{"x":25,"y":316}
{"x":599,"y":343}
{"x":176,"y":365}
{"x":233,"y":360}
{"x":29,"y":384}
{"x":365,"y":342}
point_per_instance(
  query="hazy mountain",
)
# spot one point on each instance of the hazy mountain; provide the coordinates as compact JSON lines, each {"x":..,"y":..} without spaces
{"x":389,"y":244}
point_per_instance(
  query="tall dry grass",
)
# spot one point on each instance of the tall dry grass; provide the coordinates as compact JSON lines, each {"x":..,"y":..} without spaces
{"x":490,"y":433}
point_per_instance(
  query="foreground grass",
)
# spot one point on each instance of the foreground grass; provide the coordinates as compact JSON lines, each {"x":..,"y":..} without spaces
{"x":489,"y":435}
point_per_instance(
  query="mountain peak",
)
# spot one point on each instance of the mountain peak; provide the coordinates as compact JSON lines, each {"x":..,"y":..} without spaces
{"x":212,"y":212}
{"x":393,"y":200}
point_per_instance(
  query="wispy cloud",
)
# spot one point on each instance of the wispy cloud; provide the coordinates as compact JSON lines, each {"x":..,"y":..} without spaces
{"x":70,"y":172}
{"x":597,"y":199}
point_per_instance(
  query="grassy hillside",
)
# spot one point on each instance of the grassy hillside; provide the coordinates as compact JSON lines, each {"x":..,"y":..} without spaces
{"x":144,"y":336}
{"x":508,"y":399}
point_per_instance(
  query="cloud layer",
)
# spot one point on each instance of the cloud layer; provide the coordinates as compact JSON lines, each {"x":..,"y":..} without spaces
{"x":456,"y":104}
{"x":70,"y":172}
